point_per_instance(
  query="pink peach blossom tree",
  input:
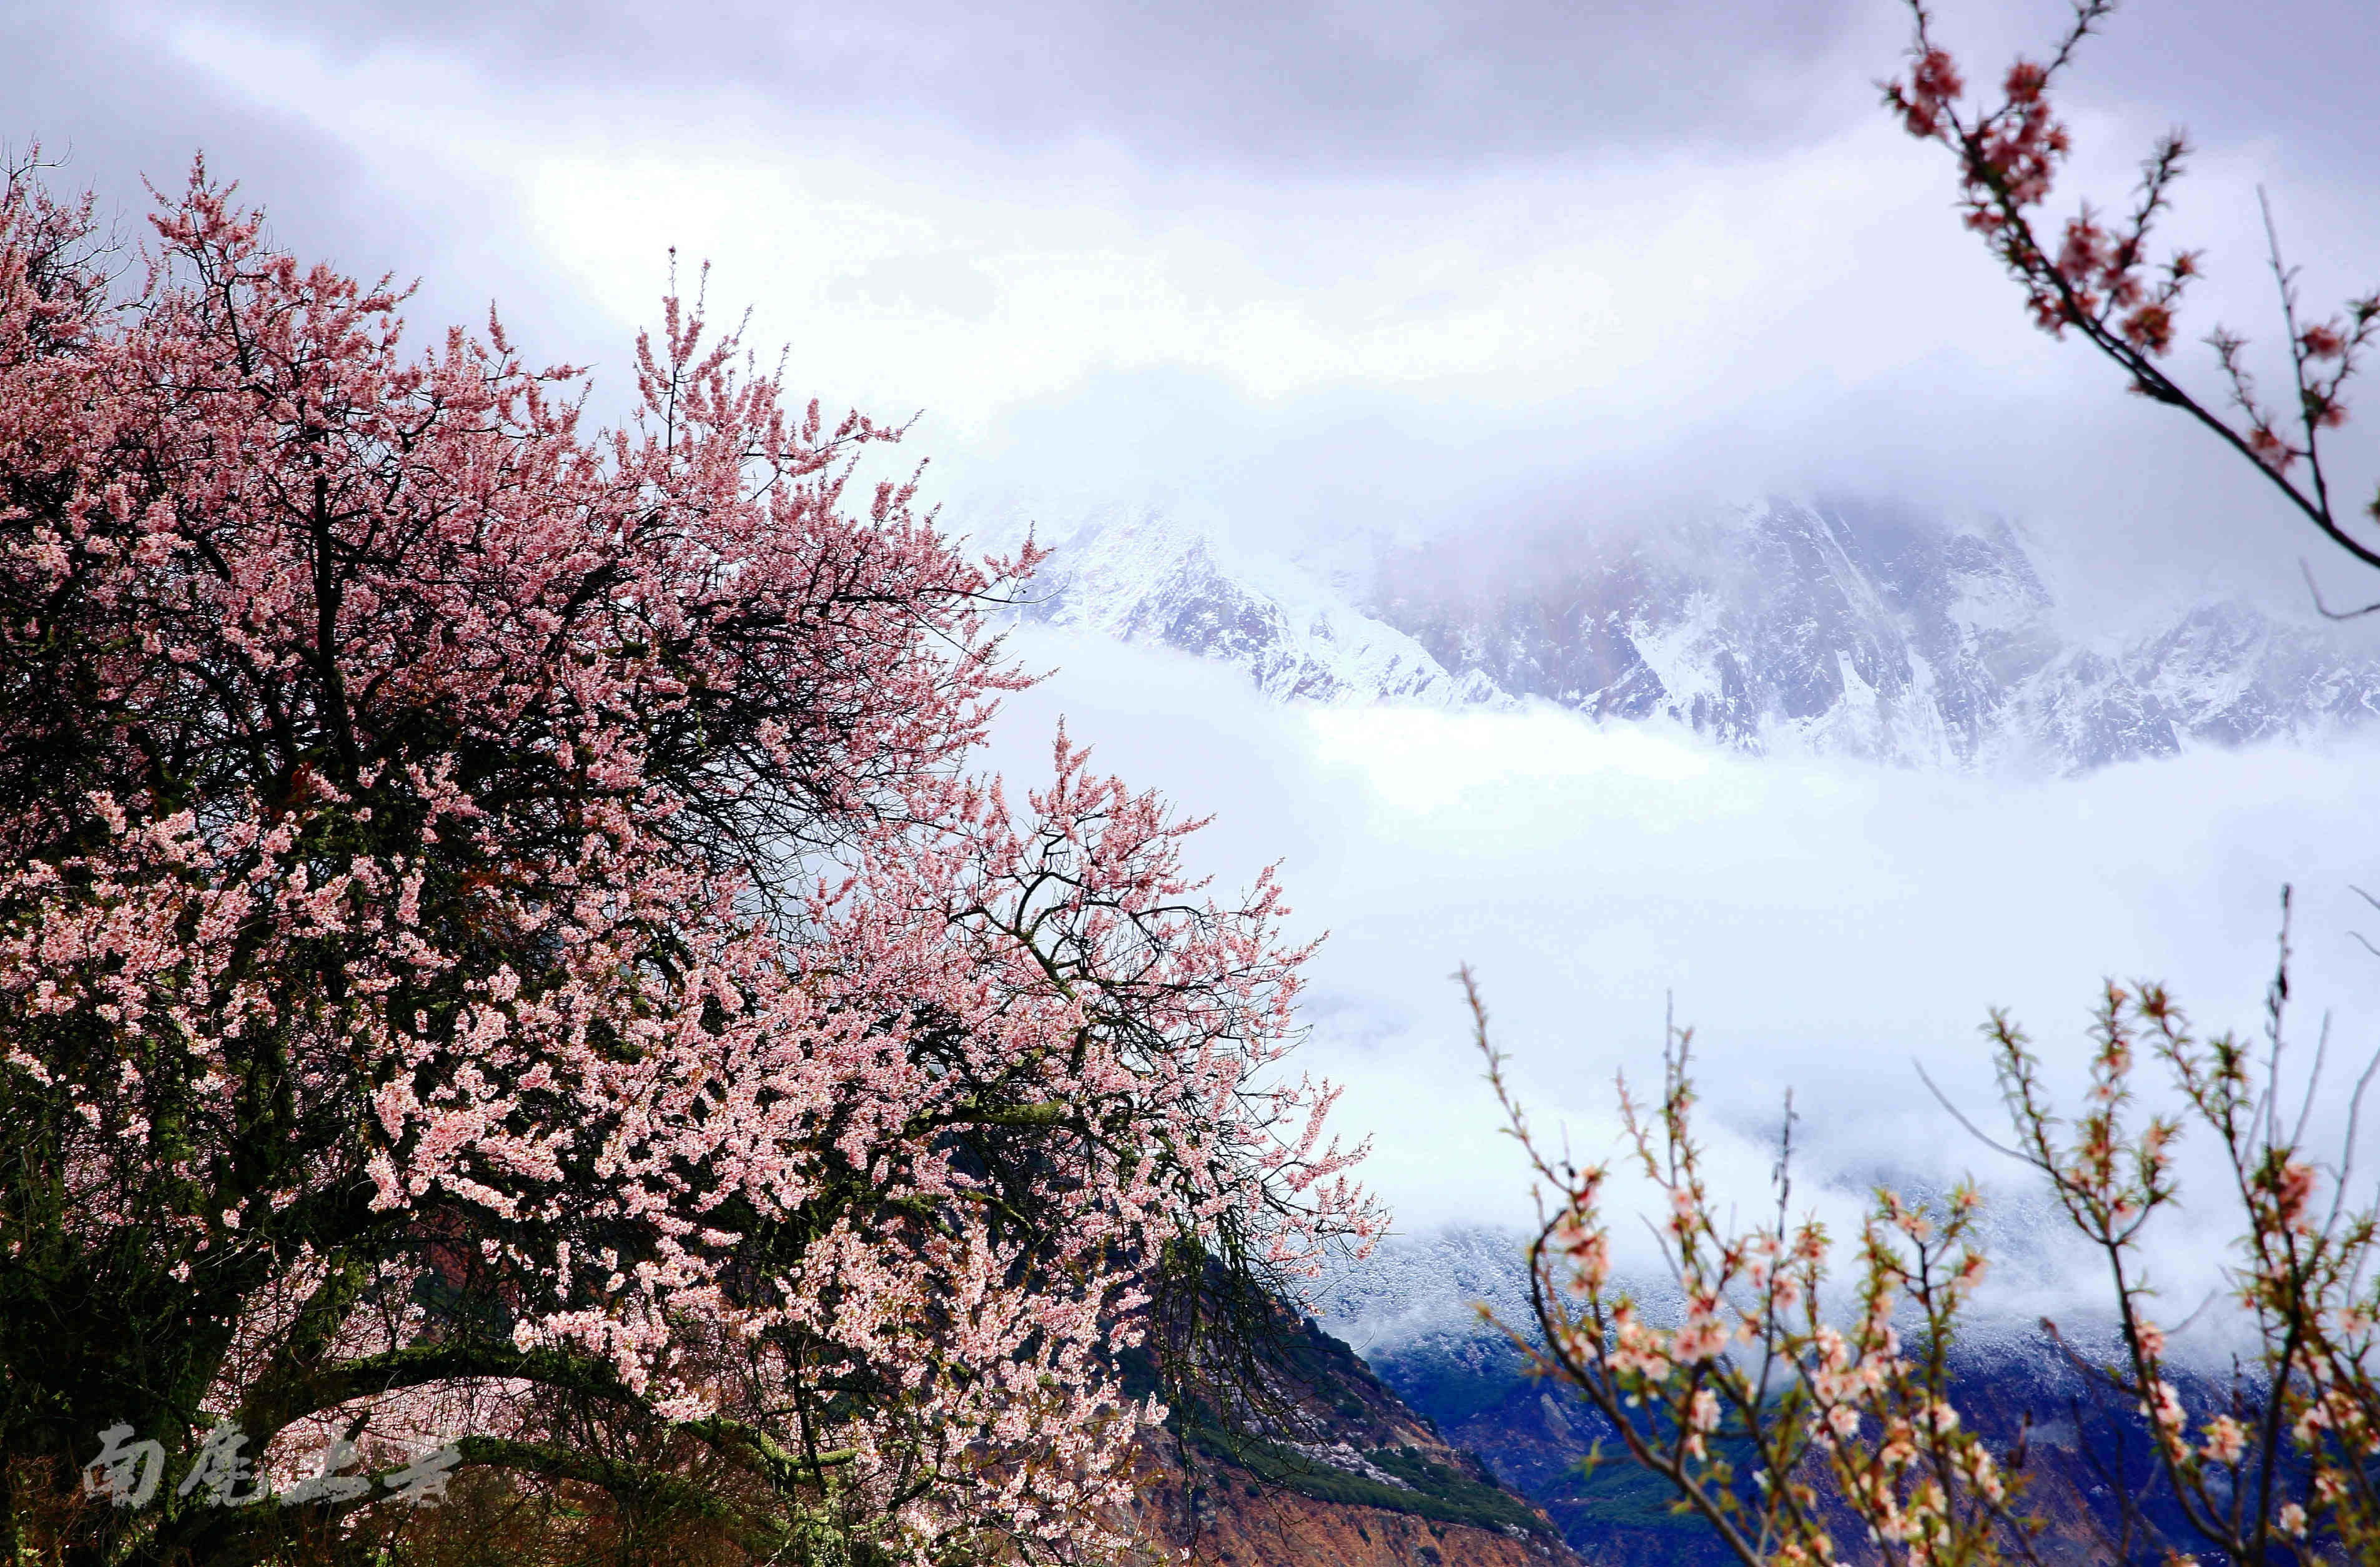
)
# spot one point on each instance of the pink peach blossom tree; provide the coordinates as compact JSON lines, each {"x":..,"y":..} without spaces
{"x":501,"y":946}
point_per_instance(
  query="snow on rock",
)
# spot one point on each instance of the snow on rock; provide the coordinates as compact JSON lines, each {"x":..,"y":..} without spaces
{"x":1156,"y":580}
{"x":1780,"y":628}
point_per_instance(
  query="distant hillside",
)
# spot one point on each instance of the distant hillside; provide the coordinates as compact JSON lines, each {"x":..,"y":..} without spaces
{"x":1339,"y":1472}
{"x":1410,"y":1310}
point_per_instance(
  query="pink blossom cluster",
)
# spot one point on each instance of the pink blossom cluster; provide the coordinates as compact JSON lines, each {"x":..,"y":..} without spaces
{"x":1772,"y":1414}
{"x":497,"y":911}
{"x":2098,"y":277}
{"x":2301,"y":1279}
{"x":2008,"y":157}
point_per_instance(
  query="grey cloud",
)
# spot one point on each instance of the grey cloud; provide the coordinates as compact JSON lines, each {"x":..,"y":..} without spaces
{"x":1291,"y":88}
{"x":115,"y":108}
{"x":1425,"y":87}
{"x":110,"y":99}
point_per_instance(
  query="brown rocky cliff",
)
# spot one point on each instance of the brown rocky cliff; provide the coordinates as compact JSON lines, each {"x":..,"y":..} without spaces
{"x":1225,"y":1517}
{"x":1336,"y":1471}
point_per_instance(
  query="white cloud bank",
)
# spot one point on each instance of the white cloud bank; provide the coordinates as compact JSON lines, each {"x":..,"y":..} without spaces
{"x":1821,"y":925}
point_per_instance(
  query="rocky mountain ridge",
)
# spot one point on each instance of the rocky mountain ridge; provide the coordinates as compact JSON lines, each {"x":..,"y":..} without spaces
{"x":1837,"y":628}
{"x":1154,"y":580}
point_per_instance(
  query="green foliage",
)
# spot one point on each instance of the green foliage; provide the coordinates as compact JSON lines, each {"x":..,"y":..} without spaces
{"x":1624,"y":1494}
{"x":1439,"y":1492}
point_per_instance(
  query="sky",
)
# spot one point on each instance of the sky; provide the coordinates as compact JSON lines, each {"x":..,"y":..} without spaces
{"x":1492,"y":271}
{"x":1323,"y":265}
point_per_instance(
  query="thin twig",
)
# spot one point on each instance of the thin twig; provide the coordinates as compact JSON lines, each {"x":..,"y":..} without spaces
{"x":1973,"y":1130}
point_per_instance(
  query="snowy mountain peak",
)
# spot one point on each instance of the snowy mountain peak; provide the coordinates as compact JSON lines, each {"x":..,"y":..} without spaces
{"x":1839,"y":628}
{"x":1152,"y":579}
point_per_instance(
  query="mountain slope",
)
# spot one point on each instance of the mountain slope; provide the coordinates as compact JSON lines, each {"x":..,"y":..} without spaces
{"x":1336,"y":1471}
{"x":1153,"y":580}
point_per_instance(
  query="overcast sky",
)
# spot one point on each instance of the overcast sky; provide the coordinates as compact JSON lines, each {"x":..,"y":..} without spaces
{"x":1326,"y":266}
{"x":1488,"y":268}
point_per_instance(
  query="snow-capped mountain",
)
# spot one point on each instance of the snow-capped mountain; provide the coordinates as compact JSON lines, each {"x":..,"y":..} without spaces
{"x":1844,"y":629}
{"x":1155,"y":579}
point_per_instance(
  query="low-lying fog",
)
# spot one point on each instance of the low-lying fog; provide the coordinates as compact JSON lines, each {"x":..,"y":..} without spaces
{"x":1823,"y":925}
